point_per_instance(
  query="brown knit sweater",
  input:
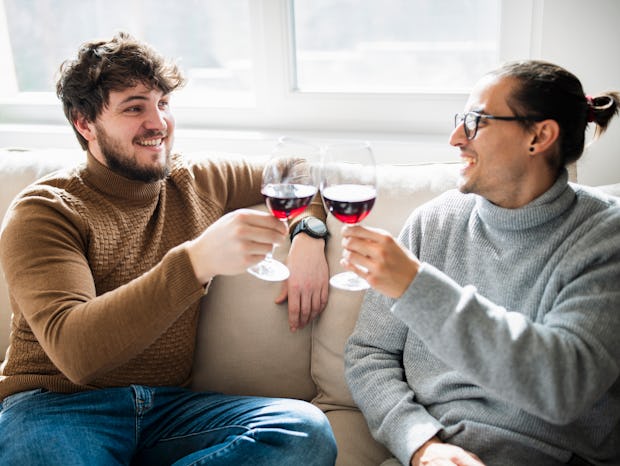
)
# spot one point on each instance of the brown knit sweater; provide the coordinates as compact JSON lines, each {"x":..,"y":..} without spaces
{"x":102,"y":290}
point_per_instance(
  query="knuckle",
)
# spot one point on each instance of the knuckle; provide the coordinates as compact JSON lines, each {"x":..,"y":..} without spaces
{"x":237,"y":229}
{"x":372,"y":280}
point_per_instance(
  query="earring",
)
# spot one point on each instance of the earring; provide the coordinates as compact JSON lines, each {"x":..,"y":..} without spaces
{"x":531,"y":148}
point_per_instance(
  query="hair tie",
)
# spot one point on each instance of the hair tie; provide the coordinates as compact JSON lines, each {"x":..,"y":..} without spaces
{"x":590,"y":102}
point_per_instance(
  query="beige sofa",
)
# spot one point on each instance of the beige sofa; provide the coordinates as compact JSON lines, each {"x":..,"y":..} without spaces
{"x":244,"y":345}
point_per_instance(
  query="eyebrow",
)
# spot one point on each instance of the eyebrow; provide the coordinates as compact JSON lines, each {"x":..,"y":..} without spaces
{"x":132,"y":98}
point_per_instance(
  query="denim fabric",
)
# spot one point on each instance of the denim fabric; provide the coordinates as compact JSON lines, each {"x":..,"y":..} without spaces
{"x":153,"y":426}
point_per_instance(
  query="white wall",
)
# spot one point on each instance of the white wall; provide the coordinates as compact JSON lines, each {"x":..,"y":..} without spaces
{"x":584,"y":37}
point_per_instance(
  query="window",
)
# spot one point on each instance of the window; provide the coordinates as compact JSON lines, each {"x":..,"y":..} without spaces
{"x":400,"y":66}
{"x":394,"y":45}
{"x":210,"y":39}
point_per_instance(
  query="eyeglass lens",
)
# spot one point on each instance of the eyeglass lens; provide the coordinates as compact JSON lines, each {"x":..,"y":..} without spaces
{"x":470,"y":121}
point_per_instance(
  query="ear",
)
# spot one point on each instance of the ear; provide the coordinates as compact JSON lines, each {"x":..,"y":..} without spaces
{"x":545,"y":134}
{"x":84,"y":127}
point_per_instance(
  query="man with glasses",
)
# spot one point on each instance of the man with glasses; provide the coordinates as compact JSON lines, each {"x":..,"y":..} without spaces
{"x":491,"y":333}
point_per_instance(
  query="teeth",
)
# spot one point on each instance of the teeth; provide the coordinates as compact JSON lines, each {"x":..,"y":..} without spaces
{"x":468,"y":161}
{"x":152,"y":142}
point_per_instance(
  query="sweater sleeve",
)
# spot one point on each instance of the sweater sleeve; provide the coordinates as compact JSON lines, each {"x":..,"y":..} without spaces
{"x":375,"y":375}
{"x":238,"y":183}
{"x":557,"y":367}
{"x":234,"y":182}
{"x":52,"y":288}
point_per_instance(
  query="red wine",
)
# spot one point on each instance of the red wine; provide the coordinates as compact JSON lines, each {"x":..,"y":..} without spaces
{"x":287,"y":200}
{"x":349,"y":203}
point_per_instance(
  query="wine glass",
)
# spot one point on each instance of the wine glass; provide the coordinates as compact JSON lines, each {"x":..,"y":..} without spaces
{"x":290,"y":181}
{"x":349,"y":190}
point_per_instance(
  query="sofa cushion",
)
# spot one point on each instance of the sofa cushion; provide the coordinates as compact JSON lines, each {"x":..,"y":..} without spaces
{"x":355,"y":444}
{"x":244,"y":345}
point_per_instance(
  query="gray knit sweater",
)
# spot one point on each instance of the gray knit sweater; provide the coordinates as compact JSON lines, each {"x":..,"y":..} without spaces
{"x":507,"y":342}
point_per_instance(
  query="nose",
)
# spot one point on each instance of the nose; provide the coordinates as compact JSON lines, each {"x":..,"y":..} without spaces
{"x":458,"y":137}
{"x":157,"y":119}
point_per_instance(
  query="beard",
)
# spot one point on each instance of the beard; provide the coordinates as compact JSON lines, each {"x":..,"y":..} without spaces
{"x":125,"y":165}
{"x":464,"y":186}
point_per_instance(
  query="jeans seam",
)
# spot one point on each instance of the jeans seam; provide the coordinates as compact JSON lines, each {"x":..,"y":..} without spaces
{"x":143,"y":401}
{"x":224,"y":447}
{"x":193,"y":434}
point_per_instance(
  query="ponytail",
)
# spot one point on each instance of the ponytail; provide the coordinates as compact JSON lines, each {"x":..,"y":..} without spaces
{"x":601,"y":109}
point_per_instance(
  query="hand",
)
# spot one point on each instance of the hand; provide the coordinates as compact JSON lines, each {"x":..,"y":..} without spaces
{"x":387,"y":266}
{"x":436,"y":453}
{"x":308,"y":285}
{"x":234,"y":242}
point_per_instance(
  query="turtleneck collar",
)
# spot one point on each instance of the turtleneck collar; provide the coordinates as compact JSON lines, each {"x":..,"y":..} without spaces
{"x":113,"y":184}
{"x":544,"y":208}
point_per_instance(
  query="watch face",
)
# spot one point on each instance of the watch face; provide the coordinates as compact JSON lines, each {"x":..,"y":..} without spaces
{"x":316,"y":226}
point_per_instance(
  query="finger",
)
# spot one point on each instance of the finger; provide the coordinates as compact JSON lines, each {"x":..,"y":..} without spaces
{"x":319,"y":302}
{"x":263,"y":236}
{"x":254,"y":248}
{"x":258,"y":219}
{"x":253,"y":259}
{"x":364,"y":260}
{"x":363,"y":232}
{"x":466,"y":462}
{"x":360,"y":247}
{"x":305,"y":309}
{"x":241,"y":230}
{"x":360,"y":272}
{"x":254,"y":216}
{"x":283,"y":293}
{"x":323,"y":298}
{"x":293,"y":312}
{"x":468,"y":459}
{"x":440,"y":462}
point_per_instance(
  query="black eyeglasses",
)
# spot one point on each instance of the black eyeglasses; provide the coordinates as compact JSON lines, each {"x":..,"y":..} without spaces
{"x":470,"y":121}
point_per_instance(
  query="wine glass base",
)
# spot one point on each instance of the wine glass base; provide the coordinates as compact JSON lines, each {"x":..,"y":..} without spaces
{"x":270,"y":270}
{"x":348,"y":281}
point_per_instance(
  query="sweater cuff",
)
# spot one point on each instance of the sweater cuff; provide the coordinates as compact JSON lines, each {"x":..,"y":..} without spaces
{"x":416,"y":436}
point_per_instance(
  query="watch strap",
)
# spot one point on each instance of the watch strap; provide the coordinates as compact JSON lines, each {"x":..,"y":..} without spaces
{"x":302,"y":227}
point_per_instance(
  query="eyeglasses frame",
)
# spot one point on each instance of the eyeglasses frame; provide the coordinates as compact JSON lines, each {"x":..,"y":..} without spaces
{"x":479,"y":116}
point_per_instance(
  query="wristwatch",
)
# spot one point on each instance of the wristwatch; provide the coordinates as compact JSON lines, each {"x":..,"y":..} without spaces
{"x":312,"y":226}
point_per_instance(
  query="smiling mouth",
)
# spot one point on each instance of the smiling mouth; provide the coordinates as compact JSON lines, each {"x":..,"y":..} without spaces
{"x":150,"y":142}
{"x":468,"y":161}
{"x":151,"y":139}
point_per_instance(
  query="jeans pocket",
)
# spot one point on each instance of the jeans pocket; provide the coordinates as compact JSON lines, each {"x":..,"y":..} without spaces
{"x":15,"y":398}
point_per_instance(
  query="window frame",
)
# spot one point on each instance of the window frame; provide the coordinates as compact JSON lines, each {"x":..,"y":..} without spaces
{"x":278,"y":104}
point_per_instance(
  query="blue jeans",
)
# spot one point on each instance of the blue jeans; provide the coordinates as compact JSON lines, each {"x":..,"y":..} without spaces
{"x":141,"y":425}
